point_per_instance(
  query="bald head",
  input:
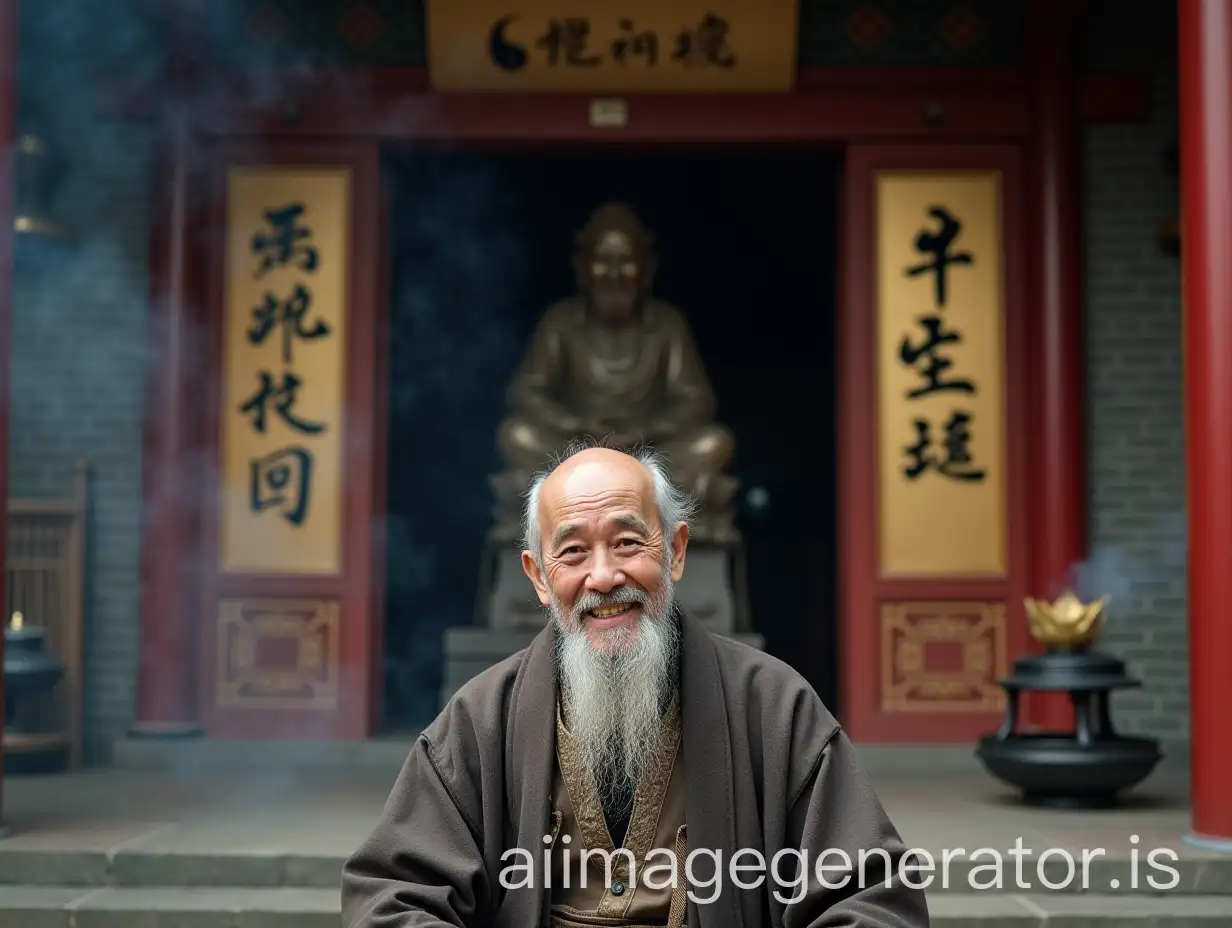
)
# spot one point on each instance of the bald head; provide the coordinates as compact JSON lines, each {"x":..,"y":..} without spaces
{"x":593,"y":481}
{"x":586,"y":467}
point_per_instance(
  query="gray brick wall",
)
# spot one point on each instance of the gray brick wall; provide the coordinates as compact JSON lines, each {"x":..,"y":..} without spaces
{"x":79,"y":334}
{"x":1135,"y":425}
{"x":79,"y":327}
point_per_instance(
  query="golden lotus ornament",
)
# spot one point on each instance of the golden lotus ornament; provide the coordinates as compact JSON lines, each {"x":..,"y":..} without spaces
{"x":1067,"y":622}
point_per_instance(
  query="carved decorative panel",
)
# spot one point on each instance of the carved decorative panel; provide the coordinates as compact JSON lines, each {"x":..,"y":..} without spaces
{"x":278,"y":654}
{"x":943,"y":656}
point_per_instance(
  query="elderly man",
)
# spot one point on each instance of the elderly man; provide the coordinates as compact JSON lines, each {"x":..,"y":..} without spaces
{"x":629,"y":769}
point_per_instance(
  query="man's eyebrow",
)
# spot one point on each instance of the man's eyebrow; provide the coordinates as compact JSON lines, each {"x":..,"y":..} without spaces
{"x":632,"y":522}
{"x":564,"y":533}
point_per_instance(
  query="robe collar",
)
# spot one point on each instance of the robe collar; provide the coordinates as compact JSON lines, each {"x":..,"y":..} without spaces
{"x":531,"y":752}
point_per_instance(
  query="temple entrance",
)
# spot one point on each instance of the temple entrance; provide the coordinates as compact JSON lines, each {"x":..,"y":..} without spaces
{"x":481,"y":244}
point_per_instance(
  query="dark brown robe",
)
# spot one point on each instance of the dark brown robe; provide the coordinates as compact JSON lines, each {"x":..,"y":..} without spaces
{"x":766,"y":766}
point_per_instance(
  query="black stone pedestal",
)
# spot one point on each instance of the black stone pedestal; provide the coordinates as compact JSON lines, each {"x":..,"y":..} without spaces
{"x":1083,"y":769}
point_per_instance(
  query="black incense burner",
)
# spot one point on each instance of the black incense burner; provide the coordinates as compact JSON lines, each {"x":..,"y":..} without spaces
{"x":1092,"y":765}
{"x":30,"y":677}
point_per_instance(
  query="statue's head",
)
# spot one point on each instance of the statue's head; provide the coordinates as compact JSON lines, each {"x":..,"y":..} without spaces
{"x":605,"y":534}
{"x":615,"y":262}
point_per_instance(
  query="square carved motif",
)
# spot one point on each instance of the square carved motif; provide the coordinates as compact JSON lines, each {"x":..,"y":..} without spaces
{"x":943,"y":656}
{"x":278,"y":654}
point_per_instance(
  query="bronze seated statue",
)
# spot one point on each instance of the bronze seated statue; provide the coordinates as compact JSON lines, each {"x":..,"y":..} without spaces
{"x":614,"y":363}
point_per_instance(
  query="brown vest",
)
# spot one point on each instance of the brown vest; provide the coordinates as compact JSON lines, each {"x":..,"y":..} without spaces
{"x":652,"y":895}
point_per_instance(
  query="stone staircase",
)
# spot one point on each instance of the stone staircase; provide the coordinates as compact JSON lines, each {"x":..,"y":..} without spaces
{"x":134,"y":889}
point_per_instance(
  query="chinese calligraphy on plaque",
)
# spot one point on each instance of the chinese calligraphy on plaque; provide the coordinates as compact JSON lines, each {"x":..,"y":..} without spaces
{"x":941,"y":447}
{"x":941,"y":379}
{"x":572,"y":42}
{"x":284,"y":369}
{"x":635,"y":46}
{"x":281,"y":481}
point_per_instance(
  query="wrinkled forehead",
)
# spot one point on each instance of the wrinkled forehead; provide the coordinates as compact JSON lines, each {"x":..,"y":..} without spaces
{"x":597,"y":497}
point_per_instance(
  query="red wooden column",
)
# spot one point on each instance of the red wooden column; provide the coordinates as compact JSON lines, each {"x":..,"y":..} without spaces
{"x":1058,"y":467}
{"x":167,"y":671}
{"x":8,"y":132}
{"x":1205,"y":38}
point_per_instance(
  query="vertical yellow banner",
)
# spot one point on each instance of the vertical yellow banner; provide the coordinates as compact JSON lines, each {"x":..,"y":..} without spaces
{"x":284,"y":369}
{"x":941,"y":374}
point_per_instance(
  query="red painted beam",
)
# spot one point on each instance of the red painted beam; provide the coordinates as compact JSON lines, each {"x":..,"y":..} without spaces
{"x":829,"y":104}
{"x":765,"y":118}
{"x":1205,"y":55}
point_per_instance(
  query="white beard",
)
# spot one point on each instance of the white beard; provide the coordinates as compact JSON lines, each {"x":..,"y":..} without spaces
{"x":614,"y":699}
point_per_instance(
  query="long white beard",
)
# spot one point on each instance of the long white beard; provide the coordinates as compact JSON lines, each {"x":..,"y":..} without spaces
{"x":614,"y":698}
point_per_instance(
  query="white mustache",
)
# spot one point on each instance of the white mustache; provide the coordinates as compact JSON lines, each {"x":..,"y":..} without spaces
{"x":617,"y":597}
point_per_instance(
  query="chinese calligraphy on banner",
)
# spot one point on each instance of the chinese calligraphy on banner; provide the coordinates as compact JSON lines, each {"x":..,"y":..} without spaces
{"x":941,"y":380}
{"x":639,"y":45}
{"x":288,"y":234}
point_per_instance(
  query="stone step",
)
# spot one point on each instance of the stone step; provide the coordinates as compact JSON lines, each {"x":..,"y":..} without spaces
{"x":1062,"y":910}
{"x":160,"y":869}
{"x":108,"y":907}
{"x":76,"y":907}
{"x":384,"y":755}
{"x":133,"y":868}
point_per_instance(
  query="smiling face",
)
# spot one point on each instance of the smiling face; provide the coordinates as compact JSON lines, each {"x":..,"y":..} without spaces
{"x":607,"y":564}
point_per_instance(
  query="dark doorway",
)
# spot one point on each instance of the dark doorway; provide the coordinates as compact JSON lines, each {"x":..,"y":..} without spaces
{"x":481,"y":245}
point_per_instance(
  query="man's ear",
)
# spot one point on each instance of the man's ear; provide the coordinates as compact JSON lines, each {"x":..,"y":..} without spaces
{"x":680,"y":541}
{"x":532,"y":571}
